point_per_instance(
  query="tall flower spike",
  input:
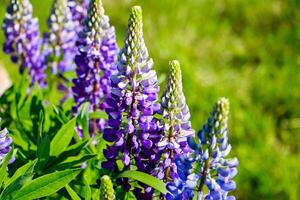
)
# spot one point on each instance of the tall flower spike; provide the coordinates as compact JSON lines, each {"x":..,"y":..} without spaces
{"x":79,"y":10}
{"x":131,"y":126}
{"x":177,"y":126}
{"x":23,"y":42}
{"x":5,"y":144}
{"x":59,"y":45}
{"x":96,"y":62}
{"x":60,"y":41}
{"x":211,"y":168}
{"x":106,"y":189}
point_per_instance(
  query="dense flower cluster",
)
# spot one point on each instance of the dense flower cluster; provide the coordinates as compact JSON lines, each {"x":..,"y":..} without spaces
{"x":23,"y":42}
{"x":95,"y":62}
{"x":59,"y":43}
{"x":79,"y":10}
{"x":133,"y":100}
{"x":208,"y":165}
{"x":5,"y":144}
{"x":176,"y":126}
{"x":131,"y":126}
{"x":179,"y":188}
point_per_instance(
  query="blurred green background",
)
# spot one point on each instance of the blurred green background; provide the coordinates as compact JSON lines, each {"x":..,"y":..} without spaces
{"x":248,"y":51}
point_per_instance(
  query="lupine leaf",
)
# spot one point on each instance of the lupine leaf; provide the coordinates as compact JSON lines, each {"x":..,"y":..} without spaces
{"x":43,"y":144}
{"x":73,"y":161}
{"x":83,"y":119}
{"x":4,"y":164}
{"x":63,"y":137}
{"x":46,"y":185}
{"x":60,"y":115}
{"x":98,"y":115}
{"x":129,"y":196}
{"x":146,"y":179}
{"x":72,"y":193}
{"x":25,"y":169}
{"x":21,"y":177}
{"x":70,"y":151}
{"x":87,"y":190}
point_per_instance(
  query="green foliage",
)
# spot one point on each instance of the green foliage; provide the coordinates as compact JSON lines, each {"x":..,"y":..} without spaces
{"x":72,"y":193}
{"x":63,"y":137}
{"x":20,"y":178}
{"x":46,"y":143}
{"x":46,"y":185}
{"x":146,"y":179}
{"x":3,"y":173}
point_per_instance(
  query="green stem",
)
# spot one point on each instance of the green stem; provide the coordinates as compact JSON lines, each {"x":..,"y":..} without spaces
{"x":203,"y":177}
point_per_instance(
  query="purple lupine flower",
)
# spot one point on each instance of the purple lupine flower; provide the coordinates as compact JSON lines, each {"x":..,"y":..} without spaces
{"x":59,"y":43}
{"x":131,"y":126}
{"x":177,"y":125}
{"x":177,"y":188}
{"x":96,"y":62}
{"x":133,"y":98}
{"x":23,"y":42}
{"x":5,"y":144}
{"x":211,"y":168}
{"x":79,"y":10}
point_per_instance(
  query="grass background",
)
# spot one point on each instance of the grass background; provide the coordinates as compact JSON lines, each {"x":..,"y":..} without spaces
{"x":247,"y":51}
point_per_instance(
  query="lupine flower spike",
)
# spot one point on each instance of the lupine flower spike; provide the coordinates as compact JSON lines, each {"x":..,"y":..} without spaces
{"x":59,"y":46}
{"x":79,"y":10}
{"x":5,"y":144}
{"x":210,"y":166}
{"x":106,"y":189}
{"x":23,"y":42}
{"x":60,"y":41}
{"x":131,"y":126}
{"x":177,"y":126}
{"x":95,"y":63}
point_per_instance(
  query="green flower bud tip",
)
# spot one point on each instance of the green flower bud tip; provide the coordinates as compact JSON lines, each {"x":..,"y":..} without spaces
{"x":135,"y":28}
{"x":134,"y":49}
{"x":174,"y":90}
{"x":176,"y":75}
{"x":220,"y":113}
{"x":136,"y":12}
{"x":58,"y":13}
{"x":106,"y":189}
{"x":95,"y":14}
{"x":62,"y":3}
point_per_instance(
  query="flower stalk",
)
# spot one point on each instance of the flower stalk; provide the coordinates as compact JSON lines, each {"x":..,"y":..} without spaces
{"x":95,"y":63}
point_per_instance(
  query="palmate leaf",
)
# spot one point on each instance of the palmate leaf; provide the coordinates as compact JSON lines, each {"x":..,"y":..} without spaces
{"x":146,"y":179}
{"x":63,"y":137}
{"x":46,"y":185}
